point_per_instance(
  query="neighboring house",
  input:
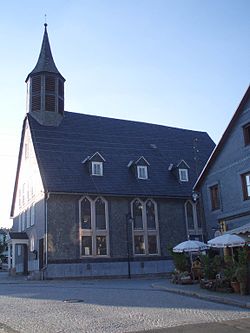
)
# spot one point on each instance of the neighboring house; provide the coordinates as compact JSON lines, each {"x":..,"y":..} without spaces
{"x":2,"y":236}
{"x":224,"y":184}
{"x":3,"y":244}
{"x":97,"y":196}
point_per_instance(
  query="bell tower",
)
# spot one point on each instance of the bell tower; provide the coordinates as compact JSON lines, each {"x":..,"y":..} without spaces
{"x":45,"y":88}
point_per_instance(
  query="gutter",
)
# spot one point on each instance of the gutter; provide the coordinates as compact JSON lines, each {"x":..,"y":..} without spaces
{"x":46,"y":227}
{"x":46,"y":198}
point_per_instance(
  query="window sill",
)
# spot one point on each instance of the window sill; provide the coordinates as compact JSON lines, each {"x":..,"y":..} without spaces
{"x":216,"y":210}
{"x":147,"y":255}
{"x":95,"y":256}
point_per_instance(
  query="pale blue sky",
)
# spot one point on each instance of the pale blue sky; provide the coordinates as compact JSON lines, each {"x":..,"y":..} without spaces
{"x":182,"y":63}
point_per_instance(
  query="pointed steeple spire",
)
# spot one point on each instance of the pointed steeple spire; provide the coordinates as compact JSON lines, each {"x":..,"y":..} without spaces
{"x":45,"y":91}
{"x":45,"y":61}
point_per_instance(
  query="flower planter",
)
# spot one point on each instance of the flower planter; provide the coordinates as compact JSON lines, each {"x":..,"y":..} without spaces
{"x":243,"y":288}
{"x":236,"y":286}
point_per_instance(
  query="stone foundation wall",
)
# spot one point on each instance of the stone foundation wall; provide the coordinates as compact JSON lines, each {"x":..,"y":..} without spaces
{"x":108,"y":269}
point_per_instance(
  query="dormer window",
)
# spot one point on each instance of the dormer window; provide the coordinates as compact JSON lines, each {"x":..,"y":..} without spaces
{"x":97,"y":169}
{"x":140,"y":167}
{"x":142,"y":172}
{"x":182,"y":171}
{"x":183,"y":175}
{"x":94,"y":164}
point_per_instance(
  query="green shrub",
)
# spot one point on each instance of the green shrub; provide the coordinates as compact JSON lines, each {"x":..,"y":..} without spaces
{"x":211,"y":266}
{"x":181,"y":261}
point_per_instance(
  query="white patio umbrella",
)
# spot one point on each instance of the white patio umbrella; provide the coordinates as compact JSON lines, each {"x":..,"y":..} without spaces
{"x":226,"y":240}
{"x":190,"y":246}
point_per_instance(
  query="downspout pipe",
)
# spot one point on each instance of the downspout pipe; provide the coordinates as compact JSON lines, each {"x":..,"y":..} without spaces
{"x":46,"y":198}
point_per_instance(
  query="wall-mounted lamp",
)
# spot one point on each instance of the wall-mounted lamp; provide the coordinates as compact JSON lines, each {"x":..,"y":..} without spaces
{"x":195,"y":196}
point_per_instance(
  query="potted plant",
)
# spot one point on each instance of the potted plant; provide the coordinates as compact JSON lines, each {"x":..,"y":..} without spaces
{"x":210,"y":266}
{"x":235,"y":285}
{"x":230,"y":275}
{"x":241,"y":276}
{"x":180,"y":262}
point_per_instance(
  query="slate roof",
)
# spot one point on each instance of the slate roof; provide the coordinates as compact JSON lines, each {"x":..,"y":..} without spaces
{"x":223,"y":140}
{"x":18,"y":235}
{"x":240,"y":230}
{"x":60,"y":151}
{"x":45,"y":61}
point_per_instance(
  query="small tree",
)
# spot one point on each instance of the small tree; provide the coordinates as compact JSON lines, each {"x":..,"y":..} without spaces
{"x":241,"y":272}
{"x":211,"y":266}
{"x":2,"y":249}
{"x":180,"y":261}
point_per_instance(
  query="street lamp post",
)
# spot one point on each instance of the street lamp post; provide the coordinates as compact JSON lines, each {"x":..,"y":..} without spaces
{"x":195,"y":199}
{"x":129,"y":221}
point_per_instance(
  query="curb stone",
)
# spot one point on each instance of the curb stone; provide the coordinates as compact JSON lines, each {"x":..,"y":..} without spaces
{"x":212,"y":298}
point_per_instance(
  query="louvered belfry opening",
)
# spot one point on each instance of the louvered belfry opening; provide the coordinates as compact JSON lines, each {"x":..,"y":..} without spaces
{"x":60,"y":96}
{"x":36,"y":93}
{"x":50,"y":92}
{"x":50,"y":84}
{"x":47,"y":94}
{"x":45,"y":90}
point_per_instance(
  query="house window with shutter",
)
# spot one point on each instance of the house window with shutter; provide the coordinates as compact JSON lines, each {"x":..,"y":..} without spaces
{"x":245,"y":178}
{"x":246,"y":132}
{"x":215,"y":197}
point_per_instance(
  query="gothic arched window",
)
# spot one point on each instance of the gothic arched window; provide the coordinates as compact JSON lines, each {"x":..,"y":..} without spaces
{"x":150,"y":212}
{"x":94,"y":238}
{"x":190,"y":215}
{"x":145,"y":228}
{"x":193,"y":220}
{"x":85,"y":214}
{"x":137,"y":214}
{"x":100,"y":215}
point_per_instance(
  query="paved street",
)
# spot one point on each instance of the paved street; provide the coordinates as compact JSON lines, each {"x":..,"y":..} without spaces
{"x":231,"y":326}
{"x":103,"y":306}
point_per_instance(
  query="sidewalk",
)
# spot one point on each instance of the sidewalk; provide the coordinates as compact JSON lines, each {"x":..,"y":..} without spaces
{"x":6,"y":279}
{"x":194,"y":290}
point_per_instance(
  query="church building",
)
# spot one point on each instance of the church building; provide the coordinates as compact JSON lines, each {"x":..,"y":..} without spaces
{"x":97,"y":196}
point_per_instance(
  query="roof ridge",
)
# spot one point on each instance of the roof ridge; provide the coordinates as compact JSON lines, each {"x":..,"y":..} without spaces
{"x":133,"y":121}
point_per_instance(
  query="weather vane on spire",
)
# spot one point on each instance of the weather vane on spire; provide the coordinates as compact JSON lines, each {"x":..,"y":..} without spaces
{"x":45,"y":20}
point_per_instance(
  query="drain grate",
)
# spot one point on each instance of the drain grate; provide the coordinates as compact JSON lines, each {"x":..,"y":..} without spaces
{"x":73,"y":300}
